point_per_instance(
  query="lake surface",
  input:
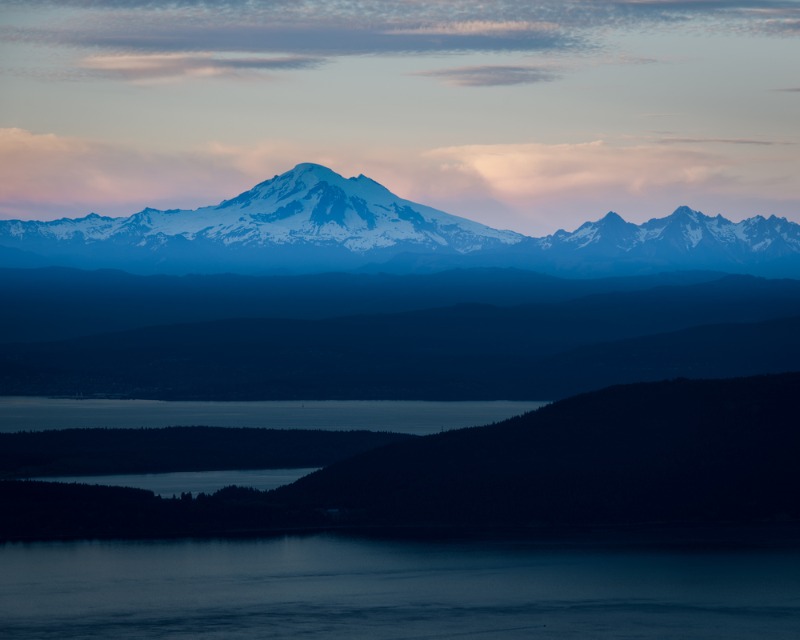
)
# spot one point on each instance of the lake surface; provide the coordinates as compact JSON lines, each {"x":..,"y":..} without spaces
{"x":417,"y":417}
{"x":194,"y":482}
{"x":329,"y":587}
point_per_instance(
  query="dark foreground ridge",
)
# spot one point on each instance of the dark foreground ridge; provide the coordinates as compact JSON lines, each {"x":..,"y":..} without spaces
{"x":705,"y":456}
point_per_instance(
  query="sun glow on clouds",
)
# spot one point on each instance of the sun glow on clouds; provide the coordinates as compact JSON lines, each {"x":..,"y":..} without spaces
{"x":529,"y":171}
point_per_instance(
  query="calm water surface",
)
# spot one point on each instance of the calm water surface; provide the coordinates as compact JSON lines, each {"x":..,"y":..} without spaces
{"x":331,"y":587}
{"x":418,"y":417}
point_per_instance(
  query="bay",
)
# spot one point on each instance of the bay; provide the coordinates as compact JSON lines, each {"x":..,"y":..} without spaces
{"x":333,"y":587}
{"x":23,"y":413}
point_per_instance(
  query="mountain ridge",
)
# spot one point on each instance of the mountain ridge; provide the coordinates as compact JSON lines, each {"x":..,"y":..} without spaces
{"x":311,"y":219}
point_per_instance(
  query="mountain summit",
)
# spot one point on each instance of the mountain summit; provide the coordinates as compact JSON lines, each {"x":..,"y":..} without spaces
{"x":312,"y":219}
{"x":309,"y":218}
{"x":313,"y":204}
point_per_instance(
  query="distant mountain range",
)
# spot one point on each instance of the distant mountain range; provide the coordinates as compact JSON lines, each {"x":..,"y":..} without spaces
{"x":311,"y":219}
{"x":685,"y":239}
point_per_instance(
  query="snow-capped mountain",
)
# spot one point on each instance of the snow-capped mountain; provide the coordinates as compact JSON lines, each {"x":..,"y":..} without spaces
{"x":312,"y":219}
{"x":309,"y":214}
{"x":684,"y":239}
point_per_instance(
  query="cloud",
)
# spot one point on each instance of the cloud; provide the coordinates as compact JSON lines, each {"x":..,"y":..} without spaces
{"x":744,"y":141}
{"x":492,"y":75}
{"x":789,"y":27}
{"x":308,"y":39}
{"x":159,"y":67}
{"x":528,"y":171}
{"x":304,"y":40}
{"x":200,"y":32}
{"x":479,"y":27}
{"x":305,"y":28}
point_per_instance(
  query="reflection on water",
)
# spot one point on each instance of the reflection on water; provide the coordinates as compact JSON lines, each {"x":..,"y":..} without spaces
{"x":36,"y":414}
{"x":330,"y":587}
{"x":194,"y":482}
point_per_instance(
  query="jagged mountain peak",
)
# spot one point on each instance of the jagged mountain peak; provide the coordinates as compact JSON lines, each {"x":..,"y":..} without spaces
{"x":614,"y":223}
{"x":683,"y":217}
{"x":612,"y":220}
{"x":685,"y":211}
{"x":612,"y":217}
{"x":605,"y":236}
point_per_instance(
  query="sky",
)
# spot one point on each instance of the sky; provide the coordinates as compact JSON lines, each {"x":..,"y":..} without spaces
{"x":531,"y":116}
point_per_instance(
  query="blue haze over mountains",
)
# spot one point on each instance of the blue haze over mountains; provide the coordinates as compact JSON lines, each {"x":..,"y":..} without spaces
{"x":311,"y":220}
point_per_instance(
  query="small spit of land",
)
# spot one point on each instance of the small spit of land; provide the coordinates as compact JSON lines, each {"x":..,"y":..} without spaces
{"x":697,"y":456}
